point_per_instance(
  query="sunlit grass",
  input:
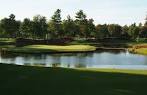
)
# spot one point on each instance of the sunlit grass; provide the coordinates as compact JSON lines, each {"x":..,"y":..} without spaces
{"x":139,"y":49}
{"x":7,"y":40}
{"x":64,"y":48}
{"x":127,"y":71}
{"x":52,"y":48}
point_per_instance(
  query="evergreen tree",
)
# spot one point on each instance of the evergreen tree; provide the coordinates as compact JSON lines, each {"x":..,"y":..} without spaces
{"x":26,"y":28}
{"x":10,"y":26}
{"x":39,"y":27}
{"x":82,"y":23}
{"x":55,"y":25}
{"x":69,"y":27}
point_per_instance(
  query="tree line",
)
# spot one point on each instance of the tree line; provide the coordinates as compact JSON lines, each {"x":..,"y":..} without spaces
{"x":80,"y":27}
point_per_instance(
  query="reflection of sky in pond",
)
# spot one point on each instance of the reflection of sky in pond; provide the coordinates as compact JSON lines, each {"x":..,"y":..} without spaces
{"x":81,"y":60}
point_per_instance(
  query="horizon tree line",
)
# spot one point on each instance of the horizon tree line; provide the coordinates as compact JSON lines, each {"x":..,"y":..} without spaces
{"x":81,"y":27}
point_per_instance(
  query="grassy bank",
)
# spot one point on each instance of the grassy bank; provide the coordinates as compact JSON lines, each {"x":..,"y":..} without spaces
{"x":51,"y":48}
{"x":21,"y":80}
{"x":74,"y":46}
{"x":139,"y":49}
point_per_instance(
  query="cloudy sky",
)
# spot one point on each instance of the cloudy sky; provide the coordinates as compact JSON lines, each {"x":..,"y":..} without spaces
{"x":102,"y":11}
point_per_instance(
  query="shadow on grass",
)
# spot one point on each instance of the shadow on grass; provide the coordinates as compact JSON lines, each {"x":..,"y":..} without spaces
{"x":21,"y":80}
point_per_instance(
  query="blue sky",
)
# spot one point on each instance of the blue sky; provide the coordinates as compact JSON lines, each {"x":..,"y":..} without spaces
{"x":102,"y":11}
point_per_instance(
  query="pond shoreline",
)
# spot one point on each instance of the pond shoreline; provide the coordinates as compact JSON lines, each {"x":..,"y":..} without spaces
{"x":115,"y":59}
{"x":96,"y":47}
{"x":83,"y":69}
{"x":59,"y":52}
{"x":50,"y":49}
{"x":108,"y":48}
{"x":139,"y":49}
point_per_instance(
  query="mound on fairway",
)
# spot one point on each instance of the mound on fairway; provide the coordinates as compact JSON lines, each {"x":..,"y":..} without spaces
{"x":52,"y":48}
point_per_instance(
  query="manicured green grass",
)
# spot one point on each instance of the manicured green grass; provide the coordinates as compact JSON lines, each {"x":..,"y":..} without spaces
{"x":6,"y":41}
{"x":6,"y":46}
{"x":52,"y":48}
{"x":22,"y":80}
{"x":125,"y":71}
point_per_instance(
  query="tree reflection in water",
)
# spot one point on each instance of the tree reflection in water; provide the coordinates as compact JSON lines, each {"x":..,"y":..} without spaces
{"x":35,"y":64}
{"x":80,"y":65}
{"x":77,"y":60}
{"x":54,"y":65}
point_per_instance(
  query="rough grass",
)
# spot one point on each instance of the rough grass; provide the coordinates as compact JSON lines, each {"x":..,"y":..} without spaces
{"x":52,"y":48}
{"x":22,"y":80}
{"x":139,"y":49}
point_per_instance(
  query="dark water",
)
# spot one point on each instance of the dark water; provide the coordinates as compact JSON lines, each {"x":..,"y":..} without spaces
{"x":123,"y":60}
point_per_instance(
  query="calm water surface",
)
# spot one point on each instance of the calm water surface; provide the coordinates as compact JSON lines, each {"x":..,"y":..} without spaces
{"x":118,"y":60}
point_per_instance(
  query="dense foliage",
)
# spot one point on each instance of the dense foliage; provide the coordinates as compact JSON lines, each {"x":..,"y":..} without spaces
{"x":80,"y":27}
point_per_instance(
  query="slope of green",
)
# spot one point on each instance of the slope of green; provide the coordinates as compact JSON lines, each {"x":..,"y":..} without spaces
{"x":22,"y":80}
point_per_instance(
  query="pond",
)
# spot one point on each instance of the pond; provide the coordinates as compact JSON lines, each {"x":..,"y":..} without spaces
{"x":104,"y":59}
